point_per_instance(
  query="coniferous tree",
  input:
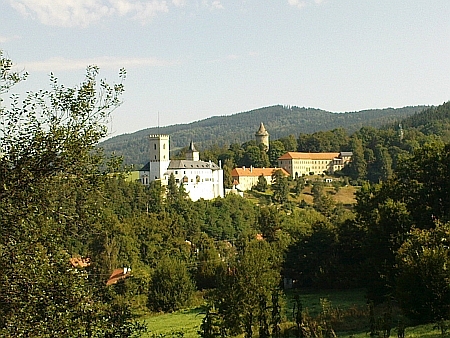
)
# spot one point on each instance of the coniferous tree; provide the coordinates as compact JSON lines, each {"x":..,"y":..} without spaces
{"x":280,"y":187}
{"x":357,"y":168}
{"x":227,"y":177}
{"x":299,"y":186}
{"x":262,"y":184}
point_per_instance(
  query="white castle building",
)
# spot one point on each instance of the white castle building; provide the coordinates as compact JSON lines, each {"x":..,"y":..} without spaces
{"x":200,"y":179}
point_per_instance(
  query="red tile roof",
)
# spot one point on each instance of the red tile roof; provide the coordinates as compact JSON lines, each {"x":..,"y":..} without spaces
{"x":117,"y":275}
{"x":80,"y":262}
{"x":240,"y":172}
{"x":308,"y":156}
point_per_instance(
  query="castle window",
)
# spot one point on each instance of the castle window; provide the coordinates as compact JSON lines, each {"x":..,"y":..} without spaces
{"x":164,"y":146}
{"x":155,"y":146}
{"x":155,"y":157}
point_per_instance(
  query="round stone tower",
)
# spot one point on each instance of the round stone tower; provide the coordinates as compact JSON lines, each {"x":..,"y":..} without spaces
{"x":262,"y":136}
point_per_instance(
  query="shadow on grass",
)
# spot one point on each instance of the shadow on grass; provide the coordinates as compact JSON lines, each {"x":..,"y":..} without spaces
{"x":194,"y":311}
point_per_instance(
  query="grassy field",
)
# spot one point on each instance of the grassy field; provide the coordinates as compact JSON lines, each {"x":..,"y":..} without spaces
{"x":345,"y":195}
{"x":186,"y":323}
{"x":343,"y":299}
{"x":420,"y":331}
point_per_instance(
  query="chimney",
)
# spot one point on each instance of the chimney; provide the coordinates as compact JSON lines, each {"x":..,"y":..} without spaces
{"x":251,"y":168}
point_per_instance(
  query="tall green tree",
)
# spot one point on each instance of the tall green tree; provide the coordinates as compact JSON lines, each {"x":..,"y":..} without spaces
{"x":381,"y":168}
{"x":171,"y":286}
{"x":322,"y":201}
{"x":312,"y":259}
{"x":280,"y":187}
{"x":269,"y":222}
{"x":357,"y":168}
{"x":247,"y":283}
{"x":261,"y":185}
{"x":423,"y":282}
{"x":299,"y":186}
{"x":289,"y":143}
{"x":227,"y":176}
{"x":422,"y":183}
{"x":47,"y":144}
{"x":276,"y":149}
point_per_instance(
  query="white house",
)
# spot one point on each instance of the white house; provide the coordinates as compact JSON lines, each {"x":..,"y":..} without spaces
{"x":200,"y":179}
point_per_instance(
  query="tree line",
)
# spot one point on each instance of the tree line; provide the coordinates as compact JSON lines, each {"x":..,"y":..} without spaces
{"x":280,"y":121}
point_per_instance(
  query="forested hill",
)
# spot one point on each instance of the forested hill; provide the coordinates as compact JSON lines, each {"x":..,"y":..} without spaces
{"x":279,"y":120}
{"x":432,"y":121}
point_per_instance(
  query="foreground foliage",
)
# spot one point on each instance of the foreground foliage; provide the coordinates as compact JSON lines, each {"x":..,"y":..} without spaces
{"x":47,"y":149}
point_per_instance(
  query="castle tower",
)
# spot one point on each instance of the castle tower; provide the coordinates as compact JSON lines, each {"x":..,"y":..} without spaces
{"x":262,"y":136}
{"x":159,"y":156}
{"x":192,"y":154}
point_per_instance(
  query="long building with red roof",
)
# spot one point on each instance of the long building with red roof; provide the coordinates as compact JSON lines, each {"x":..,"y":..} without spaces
{"x":302,"y":164}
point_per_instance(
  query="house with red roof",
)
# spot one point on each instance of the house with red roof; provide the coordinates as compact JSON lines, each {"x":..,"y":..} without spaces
{"x":246,"y":178}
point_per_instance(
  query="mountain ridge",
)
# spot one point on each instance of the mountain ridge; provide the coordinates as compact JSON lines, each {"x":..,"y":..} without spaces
{"x":279,"y":120}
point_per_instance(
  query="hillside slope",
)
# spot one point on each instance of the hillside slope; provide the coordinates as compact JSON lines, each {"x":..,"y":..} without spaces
{"x":432,"y":121}
{"x":280,"y":121}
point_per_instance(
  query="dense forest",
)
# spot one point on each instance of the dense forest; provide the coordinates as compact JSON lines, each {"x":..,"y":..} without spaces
{"x":281,"y":121}
{"x":61,"y":197}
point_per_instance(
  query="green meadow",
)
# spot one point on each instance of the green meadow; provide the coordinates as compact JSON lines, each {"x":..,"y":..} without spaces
{"x":183,"y":323}
{"x":346,"y":308}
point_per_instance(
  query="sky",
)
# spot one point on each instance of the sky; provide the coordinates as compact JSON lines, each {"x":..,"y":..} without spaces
{"x":188,"y":60}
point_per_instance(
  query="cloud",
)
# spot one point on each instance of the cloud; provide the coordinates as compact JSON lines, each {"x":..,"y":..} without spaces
{"x":233,"y":57}
{"x":216,"y":4}
{"x":303,"y":3}
{"x":72,"y":13}
{"x":179,"y":3}
{"x":64,"y":64}
{"x":4,"y":39}
{"x":297,"y":3}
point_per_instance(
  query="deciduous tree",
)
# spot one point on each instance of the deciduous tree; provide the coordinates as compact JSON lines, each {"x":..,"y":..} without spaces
{"x":47,"y":145}
{"x":171,"y":286}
